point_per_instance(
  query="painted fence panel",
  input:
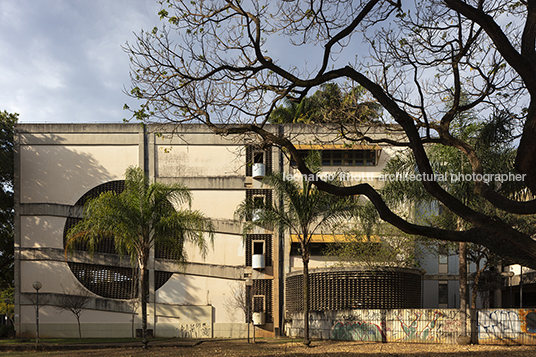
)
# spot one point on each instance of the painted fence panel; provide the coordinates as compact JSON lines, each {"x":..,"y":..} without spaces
{"x":425,"y":326}
{"x":507,"y":326}
{"x":405,"y":325}
{"x":493,"y":326}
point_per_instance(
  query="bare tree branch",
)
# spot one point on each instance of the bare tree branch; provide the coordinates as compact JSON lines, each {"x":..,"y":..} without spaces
{"x":214,"y":63}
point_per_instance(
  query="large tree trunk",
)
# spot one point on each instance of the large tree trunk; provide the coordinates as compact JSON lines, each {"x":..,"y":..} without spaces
{"x":474,"y":293}
{"x":463,"y":285}
{"x":305,"y":260}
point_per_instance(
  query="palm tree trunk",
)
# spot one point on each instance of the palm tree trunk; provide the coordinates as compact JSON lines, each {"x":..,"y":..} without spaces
{"x":143,"y":274}
{"x":305,"y":260}
{"x":306,"y":340}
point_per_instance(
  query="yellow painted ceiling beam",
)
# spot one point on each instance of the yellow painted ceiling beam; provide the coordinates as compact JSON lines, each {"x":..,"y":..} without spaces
{"x":332,"y":238}
{"x":336,"y":147}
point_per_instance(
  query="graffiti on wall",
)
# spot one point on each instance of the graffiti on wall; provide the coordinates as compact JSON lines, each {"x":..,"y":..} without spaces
{"x":417,"y":328}
{"x":358,"y":331}
{"x":503,"y":324}
{"x":493,"y":326}
{"x":398,"y":325}
{"x":498,"y":324}
{"x":197,"y":330}
{"x":528,"y":321}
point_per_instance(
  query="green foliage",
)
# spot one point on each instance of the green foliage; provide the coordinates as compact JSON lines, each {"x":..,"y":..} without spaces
{"x":329,"y":104}
{"x":492,"y":141}
{"x":370,"y":242}
{"x":140,"y":216}
{"x":7,"y":123}
{"x":7,"y":303}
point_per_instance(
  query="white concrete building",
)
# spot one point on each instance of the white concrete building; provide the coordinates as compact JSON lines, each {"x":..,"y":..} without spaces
{"x":59,"y":166}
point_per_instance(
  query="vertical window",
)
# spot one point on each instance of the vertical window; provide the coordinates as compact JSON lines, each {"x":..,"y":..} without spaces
{"x":443,"y":260}
{"x":443,"y":294}
{"x":258,"y":200}
{"x":336,"y":157}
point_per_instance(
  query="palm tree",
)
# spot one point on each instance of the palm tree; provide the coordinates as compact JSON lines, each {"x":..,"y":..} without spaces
{"x":329,"y":104}
{"x":144,"y":215}
{"x":303,"y":211}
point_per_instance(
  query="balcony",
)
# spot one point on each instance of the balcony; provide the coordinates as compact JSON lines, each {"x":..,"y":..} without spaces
{"x":258,"y":261}
{"x":258,"y":171}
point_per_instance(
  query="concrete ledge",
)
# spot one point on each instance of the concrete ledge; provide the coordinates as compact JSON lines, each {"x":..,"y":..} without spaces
{"x":226,"y":226}
{"x":50,"y":209}
{"x":86,"y":138}
{"x":208,"y":270}
{"x":209,"y":183}
{"x":78,"y":128}
{"x":95,"y":303}
{"x":58,"y":255}
{"x":199,"y":269}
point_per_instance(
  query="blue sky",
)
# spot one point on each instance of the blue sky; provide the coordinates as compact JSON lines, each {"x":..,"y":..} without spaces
{"x":61,"y":60}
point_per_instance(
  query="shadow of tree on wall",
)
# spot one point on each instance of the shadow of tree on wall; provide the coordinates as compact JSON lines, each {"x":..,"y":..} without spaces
{"x":55,"y":172}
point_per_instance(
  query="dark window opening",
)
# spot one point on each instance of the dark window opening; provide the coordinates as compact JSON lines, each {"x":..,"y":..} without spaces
{"x":258,"y":201}
{"x":443,"y":293}
{"x":258,"y":247}
{"x":343,"y":157}
{"x":266,"y":241}
{"x":314,"y":249}
{"x":256,"y":155}
{"x":258,"y":158}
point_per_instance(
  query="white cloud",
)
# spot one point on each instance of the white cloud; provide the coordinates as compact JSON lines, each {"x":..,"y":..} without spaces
{"x":61,"y":60}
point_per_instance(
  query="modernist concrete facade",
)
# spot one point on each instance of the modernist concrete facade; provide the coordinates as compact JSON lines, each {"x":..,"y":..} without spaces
{"x":59,"y":166}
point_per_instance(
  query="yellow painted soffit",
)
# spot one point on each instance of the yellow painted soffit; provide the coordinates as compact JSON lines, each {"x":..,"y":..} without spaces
{"x":336,"y":147}
{"x":331,"y":238}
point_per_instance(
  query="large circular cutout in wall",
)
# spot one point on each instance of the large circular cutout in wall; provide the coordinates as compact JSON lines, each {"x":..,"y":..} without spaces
{"x":108,"y":281}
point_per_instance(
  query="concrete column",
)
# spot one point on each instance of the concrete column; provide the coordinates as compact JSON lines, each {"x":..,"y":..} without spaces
{"x":17,"y":228}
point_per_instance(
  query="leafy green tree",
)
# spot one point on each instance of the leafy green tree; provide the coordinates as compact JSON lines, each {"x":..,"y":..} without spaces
{"x":7,"y":123}
{"x":7,"y":303}
{"x":143,"y":216}
{"x":493,"y":144}
{"x":370,"y":242}
{"x":485,"y":279}
{"x":304,"y":211}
